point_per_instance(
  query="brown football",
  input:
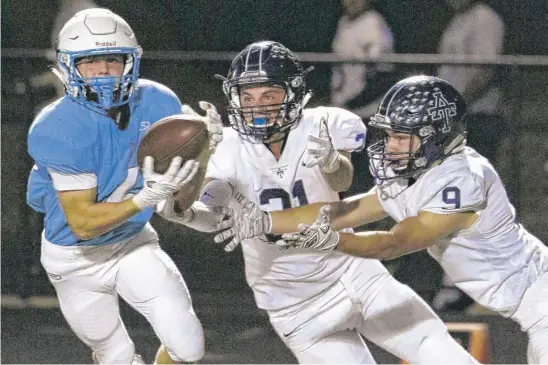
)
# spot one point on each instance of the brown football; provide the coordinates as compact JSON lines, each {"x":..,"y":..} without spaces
{"x":175,"y":136}
{"x":170,"y":137}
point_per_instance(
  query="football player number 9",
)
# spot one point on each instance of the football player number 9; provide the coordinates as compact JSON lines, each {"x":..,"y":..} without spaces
{"x":451,"y":195}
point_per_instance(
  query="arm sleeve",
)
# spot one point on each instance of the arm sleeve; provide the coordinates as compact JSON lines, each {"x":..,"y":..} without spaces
{"x":454,"y":194}
{"x":62,"y":181}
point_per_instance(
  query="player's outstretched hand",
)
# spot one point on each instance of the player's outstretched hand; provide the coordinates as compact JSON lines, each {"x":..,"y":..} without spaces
{"x":321,"y":150}
{"x":319,"y":235}
{"x":212,"y":119}
{"x":158,"y":187}
{"x":249,"y":221}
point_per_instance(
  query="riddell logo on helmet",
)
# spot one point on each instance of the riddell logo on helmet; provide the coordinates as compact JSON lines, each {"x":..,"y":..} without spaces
{"x":105,"y":44}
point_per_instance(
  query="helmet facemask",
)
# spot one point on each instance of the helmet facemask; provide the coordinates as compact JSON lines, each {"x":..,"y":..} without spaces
{"x":265,"y":123}
{"x":386,"y":165}
{"x":105,"y":92}
{"x":94,"y":33}
{"x":416,"y":160}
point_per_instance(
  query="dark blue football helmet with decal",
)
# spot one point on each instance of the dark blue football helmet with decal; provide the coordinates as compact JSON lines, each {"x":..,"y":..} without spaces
{"x":266,"y":63}
{"x":423,"y":106}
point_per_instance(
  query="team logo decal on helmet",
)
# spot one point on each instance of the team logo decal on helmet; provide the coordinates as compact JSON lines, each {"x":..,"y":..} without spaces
{"x":443,"y":110}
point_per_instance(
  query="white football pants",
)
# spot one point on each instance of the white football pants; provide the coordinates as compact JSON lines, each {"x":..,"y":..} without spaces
{"x":88,"y":280}
{"x":367,"y":300}
{"x":532,"y":315}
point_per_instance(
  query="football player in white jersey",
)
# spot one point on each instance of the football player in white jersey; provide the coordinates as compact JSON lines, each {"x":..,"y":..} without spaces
{"x":282,"y":155}
{"x":446,"y":198}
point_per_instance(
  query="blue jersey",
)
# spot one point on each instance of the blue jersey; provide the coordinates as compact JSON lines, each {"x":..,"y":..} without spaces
{"x":86,"y":149}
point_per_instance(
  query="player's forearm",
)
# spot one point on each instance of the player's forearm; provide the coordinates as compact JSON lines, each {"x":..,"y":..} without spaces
{"x":349,"y":213}
{"x":381,"y":245}
{"x":341,"y":179}
{"x":287,"y":221}
{"x":356,"y":210}
{"x":409,"y":235}
{"x":99,"y":218}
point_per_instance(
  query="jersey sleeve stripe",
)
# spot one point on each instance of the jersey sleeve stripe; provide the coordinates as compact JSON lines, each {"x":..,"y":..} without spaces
{"x":64,"y":182}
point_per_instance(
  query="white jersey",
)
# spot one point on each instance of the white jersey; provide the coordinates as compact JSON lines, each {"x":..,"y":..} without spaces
{"x":496,"y":259}
{"x":280,"y":278}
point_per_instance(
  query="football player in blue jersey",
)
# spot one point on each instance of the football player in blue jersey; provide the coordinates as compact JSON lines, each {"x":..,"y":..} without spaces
{"x":97,"y":243}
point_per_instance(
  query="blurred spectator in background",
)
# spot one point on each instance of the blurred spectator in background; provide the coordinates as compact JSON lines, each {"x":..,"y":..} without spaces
{"x":361,"y":32}
{"x":475,"y":29}
{"x":67,"y":9}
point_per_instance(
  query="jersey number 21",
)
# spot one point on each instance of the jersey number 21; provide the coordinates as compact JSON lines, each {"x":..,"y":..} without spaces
{"x":276,"y":193}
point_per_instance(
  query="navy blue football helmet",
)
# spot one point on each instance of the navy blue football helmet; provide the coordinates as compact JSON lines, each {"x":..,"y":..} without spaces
{"x":423,"y":106}
{"x":266,"y":63}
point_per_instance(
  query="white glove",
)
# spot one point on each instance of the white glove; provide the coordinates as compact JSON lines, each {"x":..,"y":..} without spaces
{"x":212,"y":120}
{"x":199,"y":216}
{"x":158,"y":187}
{"x":249,"y":222}
{"x":319,"y":235}
{"x":321,"y":151}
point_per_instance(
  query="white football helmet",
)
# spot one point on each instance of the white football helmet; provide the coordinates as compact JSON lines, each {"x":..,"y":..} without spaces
{"x":94,"y":32}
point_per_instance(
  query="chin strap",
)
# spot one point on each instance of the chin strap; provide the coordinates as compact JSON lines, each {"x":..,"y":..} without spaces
{"x":121,"y":115}
{"x":457,"y":145}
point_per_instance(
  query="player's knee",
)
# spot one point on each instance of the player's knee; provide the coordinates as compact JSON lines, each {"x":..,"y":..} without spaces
{"x":189,"y":352}
{"x":114,"y":348}
{"x":185,"y":343}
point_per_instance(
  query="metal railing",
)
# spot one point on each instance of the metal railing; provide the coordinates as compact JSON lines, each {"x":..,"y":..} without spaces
{"x":315,"y":57}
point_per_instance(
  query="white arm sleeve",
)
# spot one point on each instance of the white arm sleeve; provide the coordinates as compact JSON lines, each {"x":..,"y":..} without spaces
{"x":64,"y":182}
